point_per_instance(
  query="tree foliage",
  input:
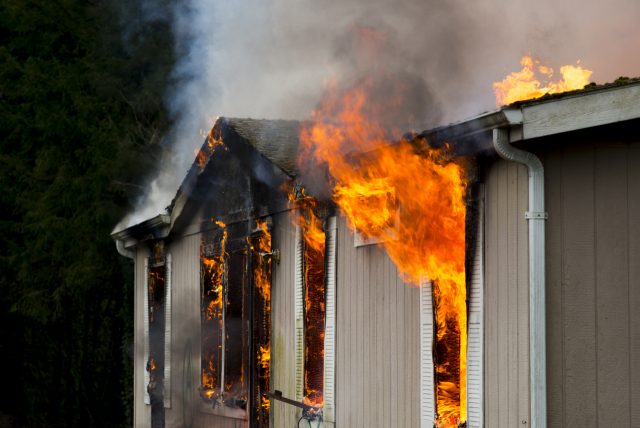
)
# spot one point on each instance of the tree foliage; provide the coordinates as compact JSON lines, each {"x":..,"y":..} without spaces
{"x":81,"y":125}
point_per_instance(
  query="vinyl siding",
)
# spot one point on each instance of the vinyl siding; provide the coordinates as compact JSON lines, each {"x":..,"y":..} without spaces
{"x":378,"y":339}
{"x":592,"y":287}
{"x":506,"y":347}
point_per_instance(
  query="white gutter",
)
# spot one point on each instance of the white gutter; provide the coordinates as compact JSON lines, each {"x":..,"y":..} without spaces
{"x":124,"y":251}
{"x":536,"y":216}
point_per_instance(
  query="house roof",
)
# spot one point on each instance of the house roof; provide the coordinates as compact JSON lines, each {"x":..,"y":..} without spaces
{"x":269,"y":146}
{"x":277,"y":140}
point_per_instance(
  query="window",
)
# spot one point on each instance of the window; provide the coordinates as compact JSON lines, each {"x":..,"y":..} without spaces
{"x":315,"y":313}
{"x":236,"y":311}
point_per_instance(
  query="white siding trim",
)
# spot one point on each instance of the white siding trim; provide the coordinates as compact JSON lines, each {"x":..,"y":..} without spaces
{"x":299,"y":313}
{"x":475,"y":348}
{"x":167,"y":333}
{"x":331,"y":231}
{"x":427,"y":384}
{"x":145,"y":304}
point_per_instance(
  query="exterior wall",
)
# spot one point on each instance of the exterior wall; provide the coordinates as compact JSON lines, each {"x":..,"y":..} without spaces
{"x":377,"y":339}
{"x":283,"y":353}
{"x":593,"y":285}
{"x":185,"y":328}
{"x":506,"y":340}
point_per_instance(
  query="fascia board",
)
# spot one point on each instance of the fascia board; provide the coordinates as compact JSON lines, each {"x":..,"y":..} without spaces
{"x":581,"y":110}
{"x":158,"y":224}
{"x":501,"y":118}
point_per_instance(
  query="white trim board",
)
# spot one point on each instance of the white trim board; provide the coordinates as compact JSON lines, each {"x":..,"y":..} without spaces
{"x":299,"y":312}
{"x":331,"y":232}
{"x":147,"y":399}
{"x":475,"y":339}
{"x":427,"y":381}
{"x":167,"y":333}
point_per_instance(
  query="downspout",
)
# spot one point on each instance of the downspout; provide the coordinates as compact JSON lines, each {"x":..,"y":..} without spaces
{"x":536,"y":216}
{"x":123,"y":251}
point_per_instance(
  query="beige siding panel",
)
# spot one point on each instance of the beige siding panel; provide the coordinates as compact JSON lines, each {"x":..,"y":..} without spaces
{"x":554,"y":303}
{"x":185,"y":323}
{"x":283,"y":323}
{"x":387,"y":346}
{"x":612,"y":286}
{"x":491,"y":299}
{"x":522,"y":314}
{"x":379,"y":384}
{"x":393,"y":345}
{"x":506,"y":299}
{"x":403,"y":418}
{"x":593,"y":293}
{"x":503,"y":294}
{"x":342,"y":326}
{"x":579,"y":288}
{"x":634,"y":280}
{"x":511,"y":292}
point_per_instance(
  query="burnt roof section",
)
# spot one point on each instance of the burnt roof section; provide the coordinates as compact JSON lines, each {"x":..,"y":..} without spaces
{"x":266,"y":146}
{"x":277,"y":140}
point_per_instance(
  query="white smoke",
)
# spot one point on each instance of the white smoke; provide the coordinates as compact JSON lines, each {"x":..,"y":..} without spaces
{"x":269,"y":59}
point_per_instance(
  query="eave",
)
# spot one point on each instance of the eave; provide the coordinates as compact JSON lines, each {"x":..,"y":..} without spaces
{"x":154,"y":228}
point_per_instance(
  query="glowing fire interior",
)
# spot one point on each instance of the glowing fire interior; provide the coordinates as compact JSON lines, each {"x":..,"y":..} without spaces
{"x":426,"y":190}
{"x":156,"y":324}
{"x":314,"y":309}
{"x":260,"y":246}
{"x":523,"y":85}
{"x":224,"y":327}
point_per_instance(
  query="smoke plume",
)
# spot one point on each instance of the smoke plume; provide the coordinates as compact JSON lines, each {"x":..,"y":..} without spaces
{"x":270,"y":59}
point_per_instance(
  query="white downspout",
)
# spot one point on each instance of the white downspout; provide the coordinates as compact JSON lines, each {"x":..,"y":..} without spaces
{"x":123,"y":251}
{"x":536,"y":216}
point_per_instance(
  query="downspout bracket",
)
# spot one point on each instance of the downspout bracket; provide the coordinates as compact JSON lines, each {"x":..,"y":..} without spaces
{"x":531,"y":215}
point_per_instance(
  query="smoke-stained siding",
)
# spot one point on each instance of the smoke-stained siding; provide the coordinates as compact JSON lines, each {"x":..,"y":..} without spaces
{"x":282,"y":324}
{"x":377,"y":336}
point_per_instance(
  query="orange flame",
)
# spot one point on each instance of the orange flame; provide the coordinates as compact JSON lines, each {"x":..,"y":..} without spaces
{"x":262,"y":245}
{"x":388,"y":182}
{"x":214,"y":139}
{"x":522,"y":85}
{"x":214,"y":271}
{"x":264,"y":360}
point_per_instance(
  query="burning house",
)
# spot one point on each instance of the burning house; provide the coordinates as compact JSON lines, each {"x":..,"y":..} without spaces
{"x":487,"y":281}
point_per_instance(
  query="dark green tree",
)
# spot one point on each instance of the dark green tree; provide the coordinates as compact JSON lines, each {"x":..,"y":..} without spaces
{"x":81,"y":126}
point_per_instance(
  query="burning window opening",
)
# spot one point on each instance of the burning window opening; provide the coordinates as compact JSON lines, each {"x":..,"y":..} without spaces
{"x":428,"y":186}
{"x":236,"y":319}
{"x":261,"y":259}
{"x":449,"y":363}
{"x":314,"y":309}
{"x":156,"y":307}
{"x":224,"y":327}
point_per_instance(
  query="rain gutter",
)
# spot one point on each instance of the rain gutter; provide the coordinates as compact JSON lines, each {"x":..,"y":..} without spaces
{"x":154,"y":228}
